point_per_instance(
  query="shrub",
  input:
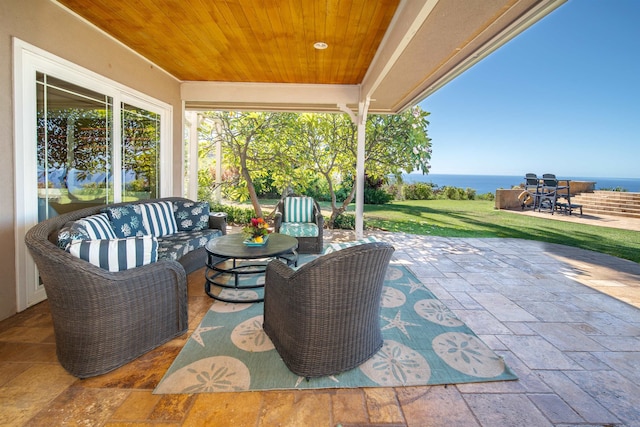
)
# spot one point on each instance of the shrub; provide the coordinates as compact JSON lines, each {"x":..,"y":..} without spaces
{"x":235,"y":215}
{"x":418,"y":191}
{"x":471,"y":193}
{"x":453,"y":193}
{"x":319,"y":190}
{"x":345,"y":221}
{"x":487,"y":196}
{"x":376,"y":196}
{"x":619,"y":189}
{"x":395,"y":190}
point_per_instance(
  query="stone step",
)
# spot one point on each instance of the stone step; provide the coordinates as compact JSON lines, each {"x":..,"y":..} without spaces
{"x":611,"y":195}
{"x":595,"y":211}
{"x":613,"y":203}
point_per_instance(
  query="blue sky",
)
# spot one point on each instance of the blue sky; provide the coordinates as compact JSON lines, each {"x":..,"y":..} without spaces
{"x":563,"y":97}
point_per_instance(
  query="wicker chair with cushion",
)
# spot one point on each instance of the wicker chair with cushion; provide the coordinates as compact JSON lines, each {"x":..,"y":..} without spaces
{"x":300,"y":217}
{"x":324,"y":318}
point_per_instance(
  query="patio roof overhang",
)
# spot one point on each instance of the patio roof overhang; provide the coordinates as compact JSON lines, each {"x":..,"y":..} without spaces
{"x":248,"y":55}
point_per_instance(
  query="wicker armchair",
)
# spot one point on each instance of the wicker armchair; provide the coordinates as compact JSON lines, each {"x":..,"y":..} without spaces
{"x":324,"y":318}
{"x":306,"y":245}
{"x":103,"y":319}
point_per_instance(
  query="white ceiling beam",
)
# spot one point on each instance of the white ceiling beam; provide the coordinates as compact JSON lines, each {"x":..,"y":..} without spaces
{"x":271,"y":94}
{"x":405,"y":24}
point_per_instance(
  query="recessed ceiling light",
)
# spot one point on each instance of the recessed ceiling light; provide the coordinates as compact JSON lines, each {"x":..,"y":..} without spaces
{"x":320,"y":45}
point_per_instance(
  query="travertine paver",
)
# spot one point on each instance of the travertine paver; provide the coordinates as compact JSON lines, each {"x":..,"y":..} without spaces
{"x":555,"y":314}
{"x":541,"y":306}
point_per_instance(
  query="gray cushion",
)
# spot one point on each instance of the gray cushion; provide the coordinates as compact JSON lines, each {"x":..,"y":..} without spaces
{"x":181,"y":243}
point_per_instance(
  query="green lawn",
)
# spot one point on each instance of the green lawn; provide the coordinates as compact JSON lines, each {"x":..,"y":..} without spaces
{"x":461,"y":218}
{"x":478,"y":218}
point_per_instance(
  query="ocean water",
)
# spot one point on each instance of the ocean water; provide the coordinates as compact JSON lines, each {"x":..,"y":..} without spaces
{"x":490,"y":183}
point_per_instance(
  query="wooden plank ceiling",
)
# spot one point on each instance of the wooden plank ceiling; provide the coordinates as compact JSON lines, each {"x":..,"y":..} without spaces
{"x":267,"y":41}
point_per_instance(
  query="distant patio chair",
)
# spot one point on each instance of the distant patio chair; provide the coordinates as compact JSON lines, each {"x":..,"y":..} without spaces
{"x":300,"y":217}
{"x":549,"y":193}
{"x":530,"y":196}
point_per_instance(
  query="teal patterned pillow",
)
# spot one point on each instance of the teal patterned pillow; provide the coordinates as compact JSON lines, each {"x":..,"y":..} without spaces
{"x":69,"y":233}
{"x":191,"y":216}
{"x":127,"y":221}
{"x":299,"y":229}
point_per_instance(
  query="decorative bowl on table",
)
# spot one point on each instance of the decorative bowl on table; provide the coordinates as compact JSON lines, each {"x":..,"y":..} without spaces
{"x":256,"y":241}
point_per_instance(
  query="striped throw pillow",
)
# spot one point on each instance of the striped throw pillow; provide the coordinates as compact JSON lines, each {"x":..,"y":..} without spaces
{"x":158,"y":218}
{"x":117,"y":254}
{"x":96,"y":227}
{"x":298,"y":209}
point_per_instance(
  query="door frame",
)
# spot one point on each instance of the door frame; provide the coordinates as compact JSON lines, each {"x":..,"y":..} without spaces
{"x":27,"y":60}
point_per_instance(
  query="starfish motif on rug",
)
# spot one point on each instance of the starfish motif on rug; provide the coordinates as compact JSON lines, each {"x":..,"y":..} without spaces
{"x":197,"y":334}
{"x":396,"y":322}
{"x":413,"y":286}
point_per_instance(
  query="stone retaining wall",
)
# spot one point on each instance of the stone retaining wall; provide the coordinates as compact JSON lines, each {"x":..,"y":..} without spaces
{"x":508,"y":199}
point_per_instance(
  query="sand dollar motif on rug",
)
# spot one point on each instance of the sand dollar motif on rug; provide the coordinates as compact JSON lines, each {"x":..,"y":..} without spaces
{"x":468,"y":354}
{"x":435,"y":311}
{"x":238,"y":295}
{"x":393,"y":273}
{"x":424,"y":343}
{"x":249,"y":336}
{"x":397,"y":364}
{"x":392,"y":297}
{"x":229,"y":307}
{"x":212,"y":374}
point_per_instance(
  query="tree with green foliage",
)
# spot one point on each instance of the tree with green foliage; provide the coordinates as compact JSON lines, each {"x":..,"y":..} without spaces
{"x":293,"y":150}
{"x":254,"y":144}
{"x":393,"y":144}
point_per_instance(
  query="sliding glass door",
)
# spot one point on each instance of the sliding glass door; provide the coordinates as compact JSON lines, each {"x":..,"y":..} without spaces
{"x":75,"y":145}
{"x":76,"y":142}
{"x":80,"y":140}
{"x":140,"y":153}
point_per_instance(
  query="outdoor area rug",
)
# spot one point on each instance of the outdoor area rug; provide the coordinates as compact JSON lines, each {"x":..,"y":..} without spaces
{"x":424,"y":343}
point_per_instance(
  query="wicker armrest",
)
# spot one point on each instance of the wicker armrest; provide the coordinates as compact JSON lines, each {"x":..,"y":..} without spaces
{"x":218,"y":220}
{"x":277,"y":270}
{"x":277,"y":220}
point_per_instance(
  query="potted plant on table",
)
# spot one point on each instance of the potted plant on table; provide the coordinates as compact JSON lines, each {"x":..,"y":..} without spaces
{"x":256,"y":231}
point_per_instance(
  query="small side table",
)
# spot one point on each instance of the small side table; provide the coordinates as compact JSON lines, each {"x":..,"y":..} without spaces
{"x":230,"y":249}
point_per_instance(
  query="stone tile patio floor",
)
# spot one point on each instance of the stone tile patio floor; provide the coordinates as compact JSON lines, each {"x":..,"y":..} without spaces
{"x":566,"y":320}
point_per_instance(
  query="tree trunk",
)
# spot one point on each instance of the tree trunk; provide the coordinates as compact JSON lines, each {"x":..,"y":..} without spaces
{"x":250,"y":187}
{"x":335,"y":209}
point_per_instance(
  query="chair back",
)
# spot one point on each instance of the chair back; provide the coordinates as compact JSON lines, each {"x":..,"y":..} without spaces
{"x":298,"y":209}
{"x":549,"y":180}
{"x":324,"y":318}
{"x":531,"y":179}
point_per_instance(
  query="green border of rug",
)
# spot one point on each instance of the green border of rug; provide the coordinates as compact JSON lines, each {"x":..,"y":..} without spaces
{"x":424,"y":344}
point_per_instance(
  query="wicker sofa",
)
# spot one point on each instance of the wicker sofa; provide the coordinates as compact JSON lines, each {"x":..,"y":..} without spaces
{"x":104,"y":319}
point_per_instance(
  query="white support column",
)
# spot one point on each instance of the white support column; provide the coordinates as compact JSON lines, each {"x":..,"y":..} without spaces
{"x":218,"y":191}
{"x":360,"y":180}
{"x":192,"y":120}
{"x":363,"y":108}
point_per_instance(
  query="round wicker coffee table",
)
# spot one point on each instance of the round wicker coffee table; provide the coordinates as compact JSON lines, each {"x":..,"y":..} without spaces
{"x":229,"y":259}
